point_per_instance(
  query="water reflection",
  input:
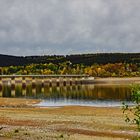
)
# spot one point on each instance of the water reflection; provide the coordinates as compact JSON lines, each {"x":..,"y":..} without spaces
{"x":78,"y":92}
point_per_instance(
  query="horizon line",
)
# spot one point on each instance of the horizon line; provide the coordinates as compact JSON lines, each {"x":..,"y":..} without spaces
{"x":70,"y":54}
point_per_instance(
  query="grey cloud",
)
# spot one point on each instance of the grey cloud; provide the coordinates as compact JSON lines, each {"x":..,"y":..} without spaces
{"x":29,"y":27}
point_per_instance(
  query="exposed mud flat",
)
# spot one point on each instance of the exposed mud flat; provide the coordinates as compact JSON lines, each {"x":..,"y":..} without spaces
{"x":20,"y":121}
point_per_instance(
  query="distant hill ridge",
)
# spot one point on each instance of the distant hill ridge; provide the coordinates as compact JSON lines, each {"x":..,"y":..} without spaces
{"x":86,"y":59}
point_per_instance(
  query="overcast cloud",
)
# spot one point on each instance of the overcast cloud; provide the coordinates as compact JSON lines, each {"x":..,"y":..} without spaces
{"x":31,"y":27}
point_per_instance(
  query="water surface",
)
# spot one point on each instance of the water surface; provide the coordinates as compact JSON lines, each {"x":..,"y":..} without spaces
{"x":103,"y":95}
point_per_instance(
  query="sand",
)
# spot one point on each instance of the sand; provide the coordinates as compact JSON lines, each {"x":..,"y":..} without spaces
{"x":117,"y":80}
{"x":19,"y":120}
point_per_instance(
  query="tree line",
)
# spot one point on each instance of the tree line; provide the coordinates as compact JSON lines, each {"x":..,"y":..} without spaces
{"x":96,"y":70}
{"x":97,"y":65}
{"x":85,"y":59}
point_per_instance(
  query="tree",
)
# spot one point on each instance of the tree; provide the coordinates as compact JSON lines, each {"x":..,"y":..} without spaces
{"x":132,"y":114}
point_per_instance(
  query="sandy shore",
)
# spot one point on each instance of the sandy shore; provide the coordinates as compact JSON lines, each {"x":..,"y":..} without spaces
{"x":117,"y":80}
{"x":20,"y":121}
{"x":17,"y":102}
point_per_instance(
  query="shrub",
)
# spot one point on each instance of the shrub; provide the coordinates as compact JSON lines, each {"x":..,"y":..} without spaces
{"x":132,"y":113}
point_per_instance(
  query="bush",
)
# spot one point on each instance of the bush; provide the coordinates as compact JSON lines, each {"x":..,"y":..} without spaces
{"x":132,"y":113}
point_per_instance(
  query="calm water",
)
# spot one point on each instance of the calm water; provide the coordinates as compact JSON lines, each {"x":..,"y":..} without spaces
{"x":86,"y":95}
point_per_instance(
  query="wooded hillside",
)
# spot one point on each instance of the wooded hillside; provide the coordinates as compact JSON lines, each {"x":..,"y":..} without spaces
{"x":85,"y":59}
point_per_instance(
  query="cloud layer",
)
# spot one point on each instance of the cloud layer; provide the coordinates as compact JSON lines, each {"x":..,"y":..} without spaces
{"x":30,"y":27}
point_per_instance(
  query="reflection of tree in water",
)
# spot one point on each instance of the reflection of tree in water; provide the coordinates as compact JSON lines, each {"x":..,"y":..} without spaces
{"x":6,"y":91}
{"x":112,"y":92}
{"x":78,"y":92}
{"x":18,"y":89}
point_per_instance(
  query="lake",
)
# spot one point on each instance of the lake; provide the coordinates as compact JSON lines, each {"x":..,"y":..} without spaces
{"x":99,"y":95}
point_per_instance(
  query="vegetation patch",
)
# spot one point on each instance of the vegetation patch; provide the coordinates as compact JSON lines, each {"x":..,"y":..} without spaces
{"x":132,"y":114}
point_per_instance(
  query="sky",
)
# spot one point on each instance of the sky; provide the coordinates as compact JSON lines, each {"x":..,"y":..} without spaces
{"x":47,"y":27}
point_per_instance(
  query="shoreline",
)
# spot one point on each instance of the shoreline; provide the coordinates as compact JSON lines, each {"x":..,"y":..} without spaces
{"x":92,"y":79}
{"x":114,"y":80}
{"x":34,"y":103}
{"x":18,"y":102}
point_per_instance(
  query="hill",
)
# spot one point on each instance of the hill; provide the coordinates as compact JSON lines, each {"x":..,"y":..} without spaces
{"x":86,"y":59}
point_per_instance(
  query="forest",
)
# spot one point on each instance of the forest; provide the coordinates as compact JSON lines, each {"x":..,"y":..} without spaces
{"x":96,"y":70}
{"x":85,"y":59}
{"x":97,"y":65}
